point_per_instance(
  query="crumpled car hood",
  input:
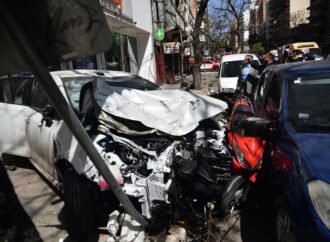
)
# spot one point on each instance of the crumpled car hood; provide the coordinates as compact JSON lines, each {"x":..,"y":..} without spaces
{"x":173,"y":112}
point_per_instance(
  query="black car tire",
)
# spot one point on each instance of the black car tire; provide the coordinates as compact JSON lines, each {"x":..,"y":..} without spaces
{"x":231,"y":195}
{"x":79,"y":204}
{"x":282,"y":221}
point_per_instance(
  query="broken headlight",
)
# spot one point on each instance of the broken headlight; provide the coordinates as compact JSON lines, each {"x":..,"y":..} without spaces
{"x":239,"y":155}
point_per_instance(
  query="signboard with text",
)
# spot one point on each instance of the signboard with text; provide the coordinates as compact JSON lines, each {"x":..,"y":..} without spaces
{"x":171,"y":47}
{"x":112,"y":5}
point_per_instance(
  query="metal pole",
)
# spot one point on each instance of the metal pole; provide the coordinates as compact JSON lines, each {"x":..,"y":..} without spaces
{"x":59,"y":102}
{"x":182,"y":52}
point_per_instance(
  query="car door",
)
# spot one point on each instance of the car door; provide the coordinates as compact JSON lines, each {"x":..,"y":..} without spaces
{"x":15,"y":113}
{"x":40,"y":132}
{"x":280,"y":155}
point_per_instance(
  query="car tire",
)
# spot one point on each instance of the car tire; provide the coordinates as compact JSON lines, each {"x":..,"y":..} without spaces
{"x":79,"y":205}
{"x":282,"y":221}
{"x":231,"y":195}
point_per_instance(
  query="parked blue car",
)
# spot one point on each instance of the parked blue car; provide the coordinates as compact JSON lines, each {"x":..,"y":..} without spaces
{"x":297,"y":159}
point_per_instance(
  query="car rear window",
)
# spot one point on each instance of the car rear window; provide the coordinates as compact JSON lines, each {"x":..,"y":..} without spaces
{"x":233,"y":68}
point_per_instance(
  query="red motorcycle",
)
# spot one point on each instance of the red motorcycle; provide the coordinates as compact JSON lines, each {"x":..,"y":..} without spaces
{"x":246,"y":137}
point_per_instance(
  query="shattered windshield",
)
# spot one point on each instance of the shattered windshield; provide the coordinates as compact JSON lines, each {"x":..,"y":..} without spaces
{"x":308,"y":103}
{"x":131,"y":82}
{"x":73,"y":85}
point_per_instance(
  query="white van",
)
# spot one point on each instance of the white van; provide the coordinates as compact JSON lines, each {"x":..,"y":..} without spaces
{"x":230,"y":69}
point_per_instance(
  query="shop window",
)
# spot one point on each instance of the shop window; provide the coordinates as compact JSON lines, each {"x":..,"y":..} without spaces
{"x":88,"y":62}
{"x":113,"y":55}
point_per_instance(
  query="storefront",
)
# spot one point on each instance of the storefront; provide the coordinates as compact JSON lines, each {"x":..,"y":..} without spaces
{"x":132,"y":43}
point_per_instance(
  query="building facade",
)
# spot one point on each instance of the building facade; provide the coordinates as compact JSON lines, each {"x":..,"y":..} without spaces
{"x":246,"y":34}
{"x":132,"y":47}
{"x":260,"y":22}
{"x":177,"y":18}
{"x":320,"y":22}
{"x":279,"y":28}
{"x":279,"y":22}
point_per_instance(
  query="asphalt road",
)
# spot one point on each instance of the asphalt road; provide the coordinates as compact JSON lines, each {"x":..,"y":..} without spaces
{"x":46,"y":208}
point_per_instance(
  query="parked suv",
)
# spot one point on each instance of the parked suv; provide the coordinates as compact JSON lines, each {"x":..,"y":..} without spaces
{"x":296,"y":97}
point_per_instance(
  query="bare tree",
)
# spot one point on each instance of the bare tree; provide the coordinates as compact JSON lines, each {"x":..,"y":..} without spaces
{"x":235,"y":10}
{"x":196,"y":43}
{"x":220,"y":29}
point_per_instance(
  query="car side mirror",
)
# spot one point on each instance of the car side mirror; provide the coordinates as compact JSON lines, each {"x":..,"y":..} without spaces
{"x":48,"y":113}
{"x":256,"y":126}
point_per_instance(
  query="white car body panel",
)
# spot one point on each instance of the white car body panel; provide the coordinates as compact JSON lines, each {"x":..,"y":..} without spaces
{"x":41,"y":142}
{"x":228,"y":84}
{"x":13,"y":121}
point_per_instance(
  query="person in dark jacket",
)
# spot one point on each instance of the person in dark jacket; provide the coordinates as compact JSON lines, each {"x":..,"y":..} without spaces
{"x":268,"y":60}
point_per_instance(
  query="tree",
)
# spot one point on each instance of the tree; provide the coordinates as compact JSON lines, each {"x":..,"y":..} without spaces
{"x":235,"y":10}
{"x":257,"y":48}
{"x":197,"y":44}
{"x":220,"y":30}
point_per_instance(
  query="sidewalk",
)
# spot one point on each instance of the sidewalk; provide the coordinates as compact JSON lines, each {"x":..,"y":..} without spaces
{"x":209,"y":80}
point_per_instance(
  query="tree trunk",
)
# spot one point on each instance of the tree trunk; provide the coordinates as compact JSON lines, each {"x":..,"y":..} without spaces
{"x":197,"y":64}
{"x":197,"y":45}
{"x":239,"y":41}
{"x":239,"y":45}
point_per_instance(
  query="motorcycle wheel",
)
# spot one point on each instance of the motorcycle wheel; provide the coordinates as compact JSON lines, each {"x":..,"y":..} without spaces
{"x":232,"y":195}
{"x":282,"y":222}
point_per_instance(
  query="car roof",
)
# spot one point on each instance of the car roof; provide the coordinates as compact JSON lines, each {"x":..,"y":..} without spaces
{"x":99,"y":73}
{"x":308,"y":67}
{"x":236,"y":57}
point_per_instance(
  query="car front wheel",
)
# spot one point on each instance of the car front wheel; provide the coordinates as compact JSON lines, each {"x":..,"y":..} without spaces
{"x":79,"y":204}
{"x":282,"y":222}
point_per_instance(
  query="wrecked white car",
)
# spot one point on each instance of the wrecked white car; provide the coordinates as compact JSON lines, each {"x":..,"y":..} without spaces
{"x":165,"y":147}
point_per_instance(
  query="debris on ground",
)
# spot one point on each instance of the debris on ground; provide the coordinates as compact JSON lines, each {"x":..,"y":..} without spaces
{"x":122,"y":227}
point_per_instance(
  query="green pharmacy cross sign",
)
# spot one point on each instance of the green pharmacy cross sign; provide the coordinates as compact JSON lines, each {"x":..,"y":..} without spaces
{"x":160,"y":34}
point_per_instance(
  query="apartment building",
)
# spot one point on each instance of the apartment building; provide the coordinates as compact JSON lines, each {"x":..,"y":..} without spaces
{"x":177,"y":17}
{"x":320,"y":22}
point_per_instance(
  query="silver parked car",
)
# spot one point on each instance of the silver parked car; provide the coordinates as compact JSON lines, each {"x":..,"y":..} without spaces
{"x":165,"y":147}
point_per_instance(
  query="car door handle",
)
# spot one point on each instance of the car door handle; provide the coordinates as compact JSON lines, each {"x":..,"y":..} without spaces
{"x":27,"y":120}
{"x":48,"y":121}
